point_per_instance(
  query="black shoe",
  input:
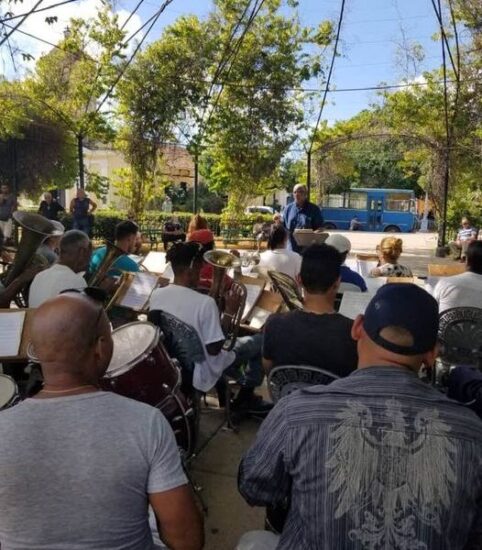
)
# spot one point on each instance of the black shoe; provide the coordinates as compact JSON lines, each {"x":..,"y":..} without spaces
{"x":254,"y":405}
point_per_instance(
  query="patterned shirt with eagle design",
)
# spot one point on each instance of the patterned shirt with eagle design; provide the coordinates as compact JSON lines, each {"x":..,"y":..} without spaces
{"x":375,"y":461}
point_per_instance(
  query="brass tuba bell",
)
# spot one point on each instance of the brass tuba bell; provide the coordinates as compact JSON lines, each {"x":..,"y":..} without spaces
{"x":221,"y":261}
{"x":35,"y":229}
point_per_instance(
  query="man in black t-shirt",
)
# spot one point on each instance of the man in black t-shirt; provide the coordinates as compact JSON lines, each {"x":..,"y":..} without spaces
{"x":50,"y":208}
{"x":317,"y":335}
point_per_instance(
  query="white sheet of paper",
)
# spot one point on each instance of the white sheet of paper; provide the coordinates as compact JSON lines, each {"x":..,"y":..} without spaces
{"x":155,"y":262}
{"x":252,"y":295}
{"x":139,"y":291}
{"x":365,"y":266}
{"x":354,"y":303}
{"x":11,"y":326}
{"x":258,"y":317}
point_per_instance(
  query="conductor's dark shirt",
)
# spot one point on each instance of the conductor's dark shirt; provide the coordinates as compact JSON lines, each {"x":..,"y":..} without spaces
{"x":50,"y":211}
{"x":307,"y":216}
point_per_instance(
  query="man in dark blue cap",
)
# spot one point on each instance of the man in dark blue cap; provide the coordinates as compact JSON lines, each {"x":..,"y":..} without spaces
{"x":378,"y":459}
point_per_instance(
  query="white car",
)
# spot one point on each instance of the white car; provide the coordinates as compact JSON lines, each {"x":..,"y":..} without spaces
{"x":259,"y":210}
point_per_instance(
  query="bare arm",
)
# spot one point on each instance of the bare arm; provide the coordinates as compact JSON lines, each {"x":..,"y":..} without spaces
{"x":72,"y":206}
{"x":267,"y":364}
{"x":179,"y":521}
{"x":93,"y":206}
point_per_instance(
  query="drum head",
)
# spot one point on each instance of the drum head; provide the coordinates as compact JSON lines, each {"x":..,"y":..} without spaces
{"x":131,"y":343}
{"x":8,"y":390}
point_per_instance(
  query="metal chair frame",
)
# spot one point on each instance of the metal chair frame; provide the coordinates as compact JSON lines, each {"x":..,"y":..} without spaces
{"x":309,"y":378}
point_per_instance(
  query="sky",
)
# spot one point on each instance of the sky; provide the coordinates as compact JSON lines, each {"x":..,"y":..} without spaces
{"x":369,"y":36}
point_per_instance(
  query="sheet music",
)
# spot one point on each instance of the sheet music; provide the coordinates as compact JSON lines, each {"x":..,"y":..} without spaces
{"x":155,"y":262}
{"x":258,"y":317}
{"x":365,"y":266}
{"x":11,"y":326}
{"x":252,"y":294}
{"x":354,"y":303}
{"x":139,"y":291}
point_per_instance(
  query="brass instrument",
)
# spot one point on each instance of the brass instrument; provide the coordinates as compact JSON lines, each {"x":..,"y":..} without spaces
{"x":222,"y":261}
{"x":35,"y":229}
{"x":113,"y":252}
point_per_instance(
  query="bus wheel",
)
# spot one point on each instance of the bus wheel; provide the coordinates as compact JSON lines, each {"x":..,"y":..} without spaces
{"x":392,"y":229}
{"x":329,"y":226}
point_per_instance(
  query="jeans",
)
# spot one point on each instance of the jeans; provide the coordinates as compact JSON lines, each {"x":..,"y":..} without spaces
{"x":82,"y":224}
{"x":248,"y":352}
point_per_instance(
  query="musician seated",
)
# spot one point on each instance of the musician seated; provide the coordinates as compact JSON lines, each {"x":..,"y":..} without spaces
{"x":75,"y":251}
{"x":378,"y":459}
{"x":201,"y":312}
{"x":80,"y":466}
{"x":278,"y":257}
{"x":125,"y":239}
{"x":49,"y":250}
{"x":205,"y":237}
{"x":316,"y":336}
{"x":389,"y":251}
{"x":343,"y":245}
{"x":464,"y":290}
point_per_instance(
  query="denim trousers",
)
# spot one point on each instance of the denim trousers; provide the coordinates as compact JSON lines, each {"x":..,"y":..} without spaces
{"x":247,"y":368}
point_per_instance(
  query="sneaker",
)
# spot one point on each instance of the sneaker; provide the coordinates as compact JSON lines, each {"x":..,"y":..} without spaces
{"x":255,"y":405}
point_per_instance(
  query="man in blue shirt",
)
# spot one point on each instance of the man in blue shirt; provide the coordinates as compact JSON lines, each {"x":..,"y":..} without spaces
{"x":125,"y":239}
{"x":301,"y":214}
{"x":343,"y":245}
{"x":378,"y":459}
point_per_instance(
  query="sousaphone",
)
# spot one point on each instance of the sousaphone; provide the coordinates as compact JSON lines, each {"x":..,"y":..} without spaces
{"x":35,"y":229}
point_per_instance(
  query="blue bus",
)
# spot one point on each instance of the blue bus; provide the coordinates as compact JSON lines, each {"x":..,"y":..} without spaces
{"x":390,"y":210}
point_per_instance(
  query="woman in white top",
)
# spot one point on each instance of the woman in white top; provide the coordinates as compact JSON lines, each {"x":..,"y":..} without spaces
{"x":278,"y":258}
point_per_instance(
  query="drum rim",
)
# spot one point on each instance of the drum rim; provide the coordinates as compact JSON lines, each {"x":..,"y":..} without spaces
{"x":14,"y":388}
{"x":127,"y":366}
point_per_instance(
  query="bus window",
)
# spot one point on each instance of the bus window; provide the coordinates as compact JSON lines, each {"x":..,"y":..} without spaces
{"x":398,"y":202}
{"x":357,"y":200}
{"x":333,"y":201}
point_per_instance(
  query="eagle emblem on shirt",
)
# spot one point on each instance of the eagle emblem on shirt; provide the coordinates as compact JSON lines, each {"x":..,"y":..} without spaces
{"x":392,"y":475}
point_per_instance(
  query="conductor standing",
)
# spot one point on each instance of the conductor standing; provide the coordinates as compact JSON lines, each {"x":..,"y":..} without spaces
{"x":301,"y":214}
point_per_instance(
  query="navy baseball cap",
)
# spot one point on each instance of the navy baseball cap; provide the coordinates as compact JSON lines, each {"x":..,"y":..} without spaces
{"x":407,"y":306}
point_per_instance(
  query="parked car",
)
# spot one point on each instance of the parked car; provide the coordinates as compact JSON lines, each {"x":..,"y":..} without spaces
{"x":259,"y":210}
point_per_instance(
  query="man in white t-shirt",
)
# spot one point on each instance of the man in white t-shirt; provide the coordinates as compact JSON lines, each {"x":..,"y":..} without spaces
{"x":75,"y":250}
{"x":464,"y":290}
{"x":80,"y":466}
{"x":277,"y":257}
{"x":201,"y":312}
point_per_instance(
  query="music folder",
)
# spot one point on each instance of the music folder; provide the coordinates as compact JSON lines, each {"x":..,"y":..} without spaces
{"x":15,"y":333}
{"x":135,"y":290}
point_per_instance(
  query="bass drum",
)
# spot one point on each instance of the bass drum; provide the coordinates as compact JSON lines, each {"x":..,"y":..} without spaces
{"x":142,"y":370}
{"x":8,"y":392}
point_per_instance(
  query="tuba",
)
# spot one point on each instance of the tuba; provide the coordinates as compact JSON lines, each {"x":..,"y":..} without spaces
{"x":35,"y":229}
{"x":113,"y":252}
{"x":222,"y":261}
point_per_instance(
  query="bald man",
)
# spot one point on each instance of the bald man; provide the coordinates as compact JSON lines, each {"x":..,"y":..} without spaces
{"x":78,"y":466}
{"x":301,"y":214}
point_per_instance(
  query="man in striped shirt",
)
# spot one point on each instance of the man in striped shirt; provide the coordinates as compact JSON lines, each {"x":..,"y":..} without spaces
{"x":379,"y":459}
{"x":465,"y":236}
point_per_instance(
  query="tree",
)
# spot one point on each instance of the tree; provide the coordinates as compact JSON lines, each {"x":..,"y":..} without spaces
{"x":72,"y":78}
{"x":256,"y":116}
{"x":35,"y":152}
{"x":161,"y":90}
